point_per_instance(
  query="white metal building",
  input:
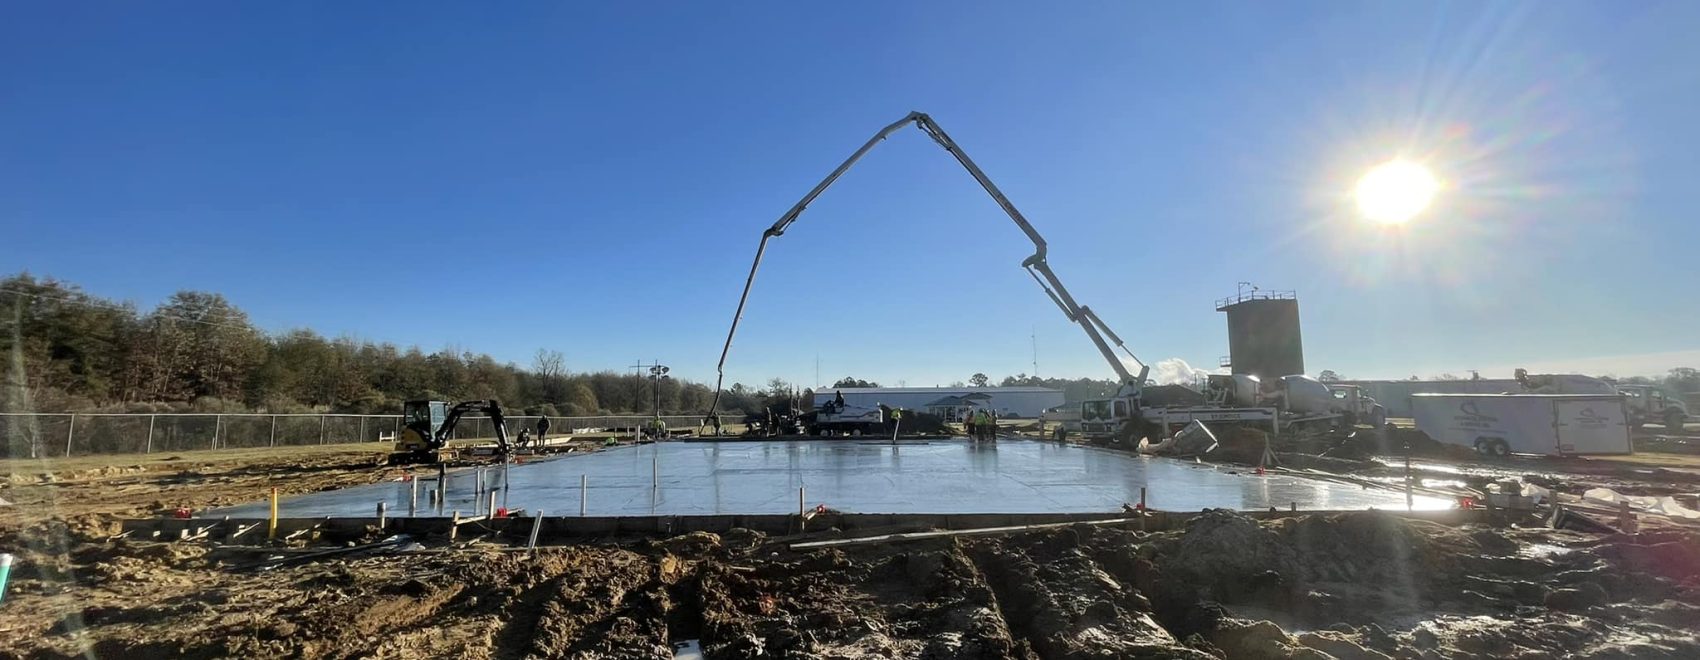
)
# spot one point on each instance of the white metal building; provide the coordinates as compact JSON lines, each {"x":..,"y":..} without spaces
{"x":950,"y":402}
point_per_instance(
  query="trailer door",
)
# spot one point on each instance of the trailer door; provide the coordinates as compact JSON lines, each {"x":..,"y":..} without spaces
{"x":1591,"y":425}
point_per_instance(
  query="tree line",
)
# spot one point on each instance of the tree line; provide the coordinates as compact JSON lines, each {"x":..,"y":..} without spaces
{"x":66,"y":350}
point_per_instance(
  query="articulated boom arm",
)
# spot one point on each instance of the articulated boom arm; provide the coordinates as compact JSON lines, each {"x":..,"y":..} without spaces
{"x":1035,"y":265}
{"x":491,"y":408}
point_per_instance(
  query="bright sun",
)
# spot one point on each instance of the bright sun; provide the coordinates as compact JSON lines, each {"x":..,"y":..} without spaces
{"x":1395,"y":191}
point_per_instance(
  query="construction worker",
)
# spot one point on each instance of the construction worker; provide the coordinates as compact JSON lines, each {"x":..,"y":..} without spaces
{"x":655,"y":429}
{"x":542,"y":428}
{"x":968,"y":423}
{"x":983,"y":425}
{"x":896,"y":421}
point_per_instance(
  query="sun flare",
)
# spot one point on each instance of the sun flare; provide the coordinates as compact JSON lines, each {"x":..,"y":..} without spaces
{"x":1396,"y":191}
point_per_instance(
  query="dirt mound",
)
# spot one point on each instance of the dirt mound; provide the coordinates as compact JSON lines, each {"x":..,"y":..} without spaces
{"x":1063,"y":604}
{"x":1223,"y":555}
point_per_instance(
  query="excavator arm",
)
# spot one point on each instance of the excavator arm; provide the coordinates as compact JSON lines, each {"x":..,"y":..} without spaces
{"x":1036,"y":265}
{"x":490,"y":408}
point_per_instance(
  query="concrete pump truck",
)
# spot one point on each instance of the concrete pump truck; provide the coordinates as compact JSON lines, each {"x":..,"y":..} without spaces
{"x":1130,"y":372}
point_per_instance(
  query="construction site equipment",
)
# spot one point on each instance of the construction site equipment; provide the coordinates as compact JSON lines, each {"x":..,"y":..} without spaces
{"x":1130,"y":372}
{"x":428,"y":425}
{"x":1547,"y":424}
{"x":833,"y":418}
{"x":773,"y":423}
{"x":1060,"y":422}
{"x":1651,"y":404}
{"x":1228,"y":400}
{"x":1360,"y":407}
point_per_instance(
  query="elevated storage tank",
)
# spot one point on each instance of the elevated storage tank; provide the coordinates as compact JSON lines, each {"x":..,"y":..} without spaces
{"x":1263,"y":334}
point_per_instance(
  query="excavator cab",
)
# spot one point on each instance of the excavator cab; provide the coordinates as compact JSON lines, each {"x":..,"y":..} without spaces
{"x":428,"y":425}
{"x":420,"y":421}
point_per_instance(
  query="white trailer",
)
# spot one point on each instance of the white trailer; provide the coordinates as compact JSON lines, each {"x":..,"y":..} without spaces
{"x":1546,"y":424}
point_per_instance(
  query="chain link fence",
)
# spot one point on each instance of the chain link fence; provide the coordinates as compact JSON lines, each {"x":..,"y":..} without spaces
{"x":45,"y":435}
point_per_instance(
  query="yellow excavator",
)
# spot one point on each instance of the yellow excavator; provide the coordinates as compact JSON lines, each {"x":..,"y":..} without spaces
{"x":428,"y":425}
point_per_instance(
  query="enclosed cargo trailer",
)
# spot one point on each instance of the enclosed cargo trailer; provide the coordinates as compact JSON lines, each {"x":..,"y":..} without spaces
{"x":1547,"y":424}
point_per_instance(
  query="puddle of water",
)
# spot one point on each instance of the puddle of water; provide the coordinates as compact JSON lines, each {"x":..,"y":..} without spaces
{"x":1542,"y":550}
{"x":687,"y":650}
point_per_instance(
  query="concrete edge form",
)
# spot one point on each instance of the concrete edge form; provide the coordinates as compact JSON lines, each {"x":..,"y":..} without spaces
{"x":557,"y":528}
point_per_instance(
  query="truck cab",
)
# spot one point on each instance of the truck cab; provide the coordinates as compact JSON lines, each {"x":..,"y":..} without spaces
{"x":1358,"y":407}
{"x":1651,"y":404}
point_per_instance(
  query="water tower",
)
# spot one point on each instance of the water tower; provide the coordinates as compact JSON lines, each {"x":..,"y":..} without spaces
{"x":1263,"y":333}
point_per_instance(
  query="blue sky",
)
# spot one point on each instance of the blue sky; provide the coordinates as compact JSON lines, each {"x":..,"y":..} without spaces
{"x":593,"y":178}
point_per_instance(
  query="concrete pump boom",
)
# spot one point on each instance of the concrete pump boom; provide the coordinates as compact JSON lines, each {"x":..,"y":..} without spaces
{"x":1035,"y":265}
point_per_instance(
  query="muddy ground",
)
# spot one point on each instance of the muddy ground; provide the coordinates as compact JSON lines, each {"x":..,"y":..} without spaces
{"x":1361,"y":585}
{"x":1378,"y":457}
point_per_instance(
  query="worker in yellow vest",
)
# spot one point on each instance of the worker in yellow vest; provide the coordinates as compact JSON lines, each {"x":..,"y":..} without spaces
{"x":982,"y":426}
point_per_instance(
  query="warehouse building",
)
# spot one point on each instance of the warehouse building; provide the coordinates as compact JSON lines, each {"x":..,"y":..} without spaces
{"x":950,"y":402}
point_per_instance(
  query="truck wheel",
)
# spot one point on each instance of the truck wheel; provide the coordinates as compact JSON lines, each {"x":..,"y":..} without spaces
{"x":1498,"y":448}
{"x":1674,"y":420}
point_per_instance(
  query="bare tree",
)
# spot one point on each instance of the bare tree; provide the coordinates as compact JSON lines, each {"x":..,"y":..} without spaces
{"x":550,"y":367}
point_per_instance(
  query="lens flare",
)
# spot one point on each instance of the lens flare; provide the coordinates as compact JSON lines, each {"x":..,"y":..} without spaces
{"x":1396,"y":191}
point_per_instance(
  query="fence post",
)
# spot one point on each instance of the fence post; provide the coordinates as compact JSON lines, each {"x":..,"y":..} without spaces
{"x":321,"y":428}
{"x":218,"y":423}
{"x":70,"y":431}
{"x":274,"y":431}
{"x":362,"y":437}
{"x":149,"y":448}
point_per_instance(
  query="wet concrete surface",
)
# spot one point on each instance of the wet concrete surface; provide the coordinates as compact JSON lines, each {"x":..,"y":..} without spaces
{"x":703,"y":478}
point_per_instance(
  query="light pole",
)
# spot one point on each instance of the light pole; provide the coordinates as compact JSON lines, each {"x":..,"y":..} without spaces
{"x":656,"y":373}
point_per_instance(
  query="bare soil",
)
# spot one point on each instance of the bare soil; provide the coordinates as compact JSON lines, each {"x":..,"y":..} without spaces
{"x":1360,"y":585}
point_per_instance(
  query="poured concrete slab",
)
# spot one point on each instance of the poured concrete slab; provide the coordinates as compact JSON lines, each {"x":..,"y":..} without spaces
{"x":699,"y":478}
